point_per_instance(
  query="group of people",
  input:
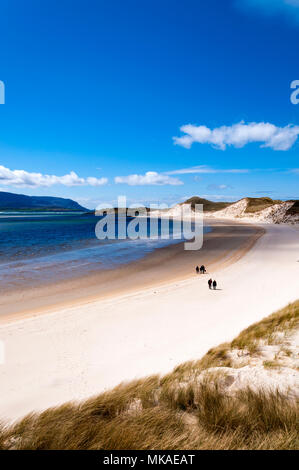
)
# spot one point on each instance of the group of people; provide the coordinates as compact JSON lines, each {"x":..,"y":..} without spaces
{"x":202,"y":270}
{"x":212,"y":283}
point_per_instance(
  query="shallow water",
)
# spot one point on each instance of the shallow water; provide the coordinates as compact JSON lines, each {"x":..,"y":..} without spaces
{"x":37,"y":248}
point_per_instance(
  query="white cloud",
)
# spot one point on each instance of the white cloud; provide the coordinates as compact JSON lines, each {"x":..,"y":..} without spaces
{"x":92,"y":181}
{"x":24,"y":178}
{"x":219,"y":186}
{"x":149,"y":178}
{"x":204,"y":169}
{"x":238,"y":135}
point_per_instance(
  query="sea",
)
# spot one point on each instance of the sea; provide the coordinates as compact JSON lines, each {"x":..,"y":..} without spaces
{"x":40,"y":247}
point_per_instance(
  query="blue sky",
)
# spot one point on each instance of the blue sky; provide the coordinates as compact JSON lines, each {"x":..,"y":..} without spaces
{"x":157,"y":100}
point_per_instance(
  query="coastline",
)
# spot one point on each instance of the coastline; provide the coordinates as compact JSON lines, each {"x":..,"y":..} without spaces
{"x":227,"y":242}
{"x":75,"y":352}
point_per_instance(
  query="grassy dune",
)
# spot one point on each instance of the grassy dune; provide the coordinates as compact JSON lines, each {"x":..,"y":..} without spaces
{"x":208,"y":206}
{"x":259,"y":204}
{"x":173,"y":412}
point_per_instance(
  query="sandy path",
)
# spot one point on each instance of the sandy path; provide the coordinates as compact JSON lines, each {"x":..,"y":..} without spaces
{"x":80,"y":351}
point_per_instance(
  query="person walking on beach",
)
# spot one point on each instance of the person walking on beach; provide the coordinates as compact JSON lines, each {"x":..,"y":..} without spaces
{"x":214,"y":285}
{"x":210,"y":283}
{"x":202,"y":269}
{"x":197,"y":269}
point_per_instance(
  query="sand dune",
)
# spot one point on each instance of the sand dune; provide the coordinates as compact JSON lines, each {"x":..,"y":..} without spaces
{"x":78,"y":351}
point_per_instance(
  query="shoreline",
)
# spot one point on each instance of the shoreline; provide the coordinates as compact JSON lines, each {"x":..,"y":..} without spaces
{"x":227,"y":242}
{"x":76,"y":352}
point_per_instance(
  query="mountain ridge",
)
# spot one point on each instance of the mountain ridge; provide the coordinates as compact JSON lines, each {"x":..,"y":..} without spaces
{"x":13,"y":201}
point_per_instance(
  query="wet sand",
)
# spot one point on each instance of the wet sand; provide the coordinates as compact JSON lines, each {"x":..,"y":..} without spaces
{"x":225,"y":244}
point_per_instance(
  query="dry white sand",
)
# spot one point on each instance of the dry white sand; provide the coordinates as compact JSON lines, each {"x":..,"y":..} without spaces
{"x":80,"y":351}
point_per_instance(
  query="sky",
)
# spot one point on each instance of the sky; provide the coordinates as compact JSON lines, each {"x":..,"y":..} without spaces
{"x":157,"y":100}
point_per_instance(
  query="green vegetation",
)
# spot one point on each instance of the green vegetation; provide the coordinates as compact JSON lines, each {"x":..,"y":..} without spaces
{"x":294,"y":210}
{"x":176,"y":411}
{"x":253,"y":204}
{"x":284,"y":320}
{"x":208,"y":206}
{"x":258,"y":204}
{"x":271,"y":364}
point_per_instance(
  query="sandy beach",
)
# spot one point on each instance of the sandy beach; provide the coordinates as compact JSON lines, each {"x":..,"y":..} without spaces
{"x":171,"y":263}
{"x":74,"y":340}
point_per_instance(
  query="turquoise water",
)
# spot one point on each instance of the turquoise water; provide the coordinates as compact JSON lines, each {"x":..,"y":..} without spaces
{"x":36,"y":248}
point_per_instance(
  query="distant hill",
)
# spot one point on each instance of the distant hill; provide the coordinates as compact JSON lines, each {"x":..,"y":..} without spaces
{"x":208,"y":206}
{"x":11,"y":201}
